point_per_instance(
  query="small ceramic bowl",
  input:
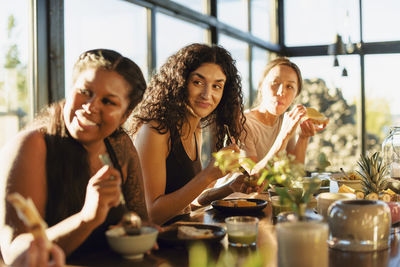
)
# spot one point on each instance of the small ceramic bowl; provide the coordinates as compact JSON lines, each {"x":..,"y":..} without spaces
{"x":359,"y":225}
{"x":132,"y":246}
{"x":355,"y":184}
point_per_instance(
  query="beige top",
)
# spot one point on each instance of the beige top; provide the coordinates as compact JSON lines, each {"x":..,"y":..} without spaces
{"x":260,"y":137}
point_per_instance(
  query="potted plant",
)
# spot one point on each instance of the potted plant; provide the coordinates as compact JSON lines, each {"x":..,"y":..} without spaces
{"x":282,"y":173}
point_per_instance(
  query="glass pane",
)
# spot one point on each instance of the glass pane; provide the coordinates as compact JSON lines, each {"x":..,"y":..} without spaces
{"x":173,"y":34}
{"x":261,"y":21}
{"x":338,"y":98}
{"x":111,"y":24}
{"x":260,"y":59}
{"x":315,"y":22}
{"x":197,"y":5}
{"x":238,"y":51}
{"x":233,"y":12}
{"x":378,"y":18}
{"x":382,"y":104}
{"x":15,"y":87}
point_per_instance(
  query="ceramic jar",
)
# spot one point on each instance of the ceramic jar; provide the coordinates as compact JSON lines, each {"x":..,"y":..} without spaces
{"x":359,"y":225}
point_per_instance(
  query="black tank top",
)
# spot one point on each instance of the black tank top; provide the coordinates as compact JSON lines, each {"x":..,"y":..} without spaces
{"x":180,"y":168}
{"x":58,"y":197}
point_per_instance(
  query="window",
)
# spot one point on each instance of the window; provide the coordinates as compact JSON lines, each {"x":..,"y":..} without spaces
{"x":381,"y":20}
{"x":260,"y":60}
{"x":16,"y":101}
{"x":338,"y":98}
{"x":315,"y":22}
{"x":173,"y":34}
{"x":261,"y":21}
{"x":238,"y":50}
{"x":114,"y":24}
{"x":234,"y":13}
{"x":197,"y":5}
{"x":381,"y":101}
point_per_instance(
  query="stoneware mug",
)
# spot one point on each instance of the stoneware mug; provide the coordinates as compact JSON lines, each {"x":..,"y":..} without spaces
{"x":359,"y":225}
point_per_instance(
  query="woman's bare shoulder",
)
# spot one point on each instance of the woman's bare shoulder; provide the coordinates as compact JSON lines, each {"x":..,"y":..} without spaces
{"x":25,"y":141}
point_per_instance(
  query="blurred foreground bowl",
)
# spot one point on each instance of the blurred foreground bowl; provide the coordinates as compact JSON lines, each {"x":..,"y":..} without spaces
{"x":132,"y":246}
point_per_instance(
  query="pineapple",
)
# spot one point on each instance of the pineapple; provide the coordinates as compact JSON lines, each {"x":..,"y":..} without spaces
{"x":373,"y":175}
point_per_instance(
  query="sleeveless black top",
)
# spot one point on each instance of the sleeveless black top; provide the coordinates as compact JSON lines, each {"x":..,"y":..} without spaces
{"x":61,"y":204}
{"x":180,"y":168}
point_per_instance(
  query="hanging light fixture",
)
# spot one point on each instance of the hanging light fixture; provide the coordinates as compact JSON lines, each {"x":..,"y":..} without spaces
{"x":337,"y":48}
{"x":344,"y":72}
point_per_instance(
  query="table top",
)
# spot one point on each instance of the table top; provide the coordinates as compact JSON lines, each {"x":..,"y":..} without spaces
{"x":266,"y":243}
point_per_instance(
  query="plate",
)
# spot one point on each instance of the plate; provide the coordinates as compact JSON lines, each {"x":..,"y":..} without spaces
{"x":260,"y":204}
{"x":170,"y":237}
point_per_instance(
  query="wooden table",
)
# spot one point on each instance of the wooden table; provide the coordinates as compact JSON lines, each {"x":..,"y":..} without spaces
{"x":178,"y":256}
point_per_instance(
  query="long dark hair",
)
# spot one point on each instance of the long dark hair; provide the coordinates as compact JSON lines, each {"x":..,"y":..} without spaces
{"x":166,"y":97}
{"x":67,"y":165}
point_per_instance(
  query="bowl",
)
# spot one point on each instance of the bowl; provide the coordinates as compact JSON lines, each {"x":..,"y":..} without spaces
{"x":355,"y":184}
{"x":132,"y":246}
{"x":324,"y":200}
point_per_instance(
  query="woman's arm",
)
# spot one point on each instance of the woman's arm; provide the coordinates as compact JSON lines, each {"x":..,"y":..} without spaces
{"x":23,"y":168}
{"x":153,"y":148}
{"x":299,"y":148}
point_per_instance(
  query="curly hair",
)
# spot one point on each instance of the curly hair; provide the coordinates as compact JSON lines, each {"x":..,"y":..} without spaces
{"x":166,"y":97}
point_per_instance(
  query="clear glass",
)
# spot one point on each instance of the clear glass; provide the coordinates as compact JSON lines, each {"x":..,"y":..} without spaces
{"x":238,"y":50}
{"x":261,"y":20}
{"x":391,"y":152}
{"x":16,"y":101}
{"x":259,"y":61}
{"x":378,"y":18}
{"x":233,"y":13}
{"x":315,"y":22}
{"x":114,"y":24}
{"x":382,"y":107}
{"x":338,"y":98}
{"x":173,"y":34}
{"x":302,"y":244}
{"x":197,"y":5}
{"x":242,"y":230}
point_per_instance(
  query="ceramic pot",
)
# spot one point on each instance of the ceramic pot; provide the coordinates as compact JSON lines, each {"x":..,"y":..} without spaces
{"x":359,"y":225}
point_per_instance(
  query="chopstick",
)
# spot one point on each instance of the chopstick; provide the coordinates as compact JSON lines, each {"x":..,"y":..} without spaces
{"x":229,"y":134}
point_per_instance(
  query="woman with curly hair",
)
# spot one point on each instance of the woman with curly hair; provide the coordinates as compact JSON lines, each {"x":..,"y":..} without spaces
{"x":196,"y":87}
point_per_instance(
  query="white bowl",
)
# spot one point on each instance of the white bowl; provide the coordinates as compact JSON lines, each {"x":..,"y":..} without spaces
{"x":131,"y":246}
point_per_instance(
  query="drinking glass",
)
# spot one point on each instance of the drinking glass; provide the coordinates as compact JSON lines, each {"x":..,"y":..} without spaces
{"x":242,"y":230}
{"x":302,"y":244}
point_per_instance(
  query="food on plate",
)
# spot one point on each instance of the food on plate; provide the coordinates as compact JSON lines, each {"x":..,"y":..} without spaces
{"x":191,"y":232}
{"x":315,"y":116}
{"x":346,"y":189}
{"x":351,"y":176}
{"x":236,"y":203}
{"x":360,"y":194}
{"x":28,"y":213}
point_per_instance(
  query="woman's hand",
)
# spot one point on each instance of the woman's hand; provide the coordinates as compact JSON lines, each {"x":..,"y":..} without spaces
{"x":243,"y":185}
{"x":37,"y":255}
{"x":102,"y":192}
{"x":291,"y":120}
{"x":309,"y":128}
{"x":214,"y":172}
